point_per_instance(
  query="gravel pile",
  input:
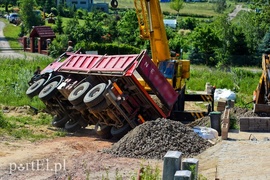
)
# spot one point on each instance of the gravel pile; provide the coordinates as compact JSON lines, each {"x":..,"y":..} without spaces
{"x":153,"y":139}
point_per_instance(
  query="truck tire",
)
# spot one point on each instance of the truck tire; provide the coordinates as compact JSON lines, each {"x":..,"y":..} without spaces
{"x":48,"y":91}
{"x":103,"y":131}
{"x":95,"y":95}
{"x":118,"y":133}
{"x":73,"y":125}
{"x":98,"y":108}
{"x":35,"y":88}
{"x":76,"y":96}
{"x":60,"y":121}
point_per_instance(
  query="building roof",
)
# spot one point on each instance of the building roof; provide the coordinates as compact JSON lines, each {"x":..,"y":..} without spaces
{"x":43,"y":32}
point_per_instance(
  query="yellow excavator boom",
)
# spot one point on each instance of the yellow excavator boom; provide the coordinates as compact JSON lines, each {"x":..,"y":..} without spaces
{"x":152,"y":27}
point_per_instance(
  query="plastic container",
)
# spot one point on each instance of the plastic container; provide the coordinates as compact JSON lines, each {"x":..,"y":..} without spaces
{"x":215,"y":121}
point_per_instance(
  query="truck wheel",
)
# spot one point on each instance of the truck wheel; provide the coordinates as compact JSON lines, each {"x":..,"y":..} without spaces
{"x":73,"y":125}
{"x":48,"y":91}
{"x":120,"y":132}
{"x":60,"y":121}
{"x":98,"y":108}
{"x":35,"y":88}
{"x":95,"y":95}
{"x":76,"y":96}
{"x":103,"y":131}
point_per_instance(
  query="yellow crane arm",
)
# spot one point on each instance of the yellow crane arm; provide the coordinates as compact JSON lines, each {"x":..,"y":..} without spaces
{"x":152,"y":27}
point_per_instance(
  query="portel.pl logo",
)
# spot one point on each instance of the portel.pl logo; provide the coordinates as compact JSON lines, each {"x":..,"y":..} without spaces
{"x":38,"y":165}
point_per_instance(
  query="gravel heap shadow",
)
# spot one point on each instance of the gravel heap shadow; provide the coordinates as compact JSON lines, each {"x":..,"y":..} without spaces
{"x":153,"y":139}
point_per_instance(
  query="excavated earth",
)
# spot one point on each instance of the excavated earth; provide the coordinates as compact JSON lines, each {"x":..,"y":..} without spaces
{"x":83,"y":155}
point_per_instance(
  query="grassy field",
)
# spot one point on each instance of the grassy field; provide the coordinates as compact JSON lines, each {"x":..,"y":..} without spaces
{"x":25,"y":127}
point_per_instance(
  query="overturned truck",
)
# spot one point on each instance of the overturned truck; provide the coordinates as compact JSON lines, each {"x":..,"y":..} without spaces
{"x":115,"y":93}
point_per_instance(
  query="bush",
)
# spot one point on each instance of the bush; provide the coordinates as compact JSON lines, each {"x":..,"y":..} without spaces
{"x":54,"y":11}
{"x":80,"y":13}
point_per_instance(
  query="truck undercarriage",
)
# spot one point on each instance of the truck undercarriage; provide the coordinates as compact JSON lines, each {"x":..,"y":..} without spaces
{"x":105,"y":91}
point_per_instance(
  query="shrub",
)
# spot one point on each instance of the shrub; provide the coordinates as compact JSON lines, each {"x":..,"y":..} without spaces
{"x":54,"y":11}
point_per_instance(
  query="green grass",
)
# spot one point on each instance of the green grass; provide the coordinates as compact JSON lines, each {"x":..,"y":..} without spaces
{"x":11,"y":33}
{"x":14,"y":78}
{"x":240,"y":80}
{"x":27,"y":127}
{"x":198,"y":8}
{"x":202,"y":8}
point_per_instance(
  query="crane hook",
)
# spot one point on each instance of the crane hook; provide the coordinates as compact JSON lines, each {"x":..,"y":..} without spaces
{"x":114,"y":3}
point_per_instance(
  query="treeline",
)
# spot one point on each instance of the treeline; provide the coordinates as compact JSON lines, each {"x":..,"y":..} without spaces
{"x":214,"y":41}
{"x":219,"y":42}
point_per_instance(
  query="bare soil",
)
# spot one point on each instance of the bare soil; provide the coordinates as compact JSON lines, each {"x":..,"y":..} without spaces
{"x":80,"y":156}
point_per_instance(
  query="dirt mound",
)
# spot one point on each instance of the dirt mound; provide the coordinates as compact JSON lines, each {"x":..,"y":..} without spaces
{"x":153,"y":139}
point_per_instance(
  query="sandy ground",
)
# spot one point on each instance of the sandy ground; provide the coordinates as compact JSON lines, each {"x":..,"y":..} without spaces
{"x":80,"y":157}
{"x":76,"y":157}
{"x":239,"y":157}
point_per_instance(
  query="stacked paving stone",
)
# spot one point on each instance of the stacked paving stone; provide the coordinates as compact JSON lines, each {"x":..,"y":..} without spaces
{"x":153,"y":139}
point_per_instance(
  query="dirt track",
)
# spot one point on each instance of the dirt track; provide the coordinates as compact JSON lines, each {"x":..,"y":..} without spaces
{"x":80,"y":156}
{"x":77,"y":157}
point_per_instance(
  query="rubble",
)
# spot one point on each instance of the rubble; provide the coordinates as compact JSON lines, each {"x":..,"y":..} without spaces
{"x":153,"y":139}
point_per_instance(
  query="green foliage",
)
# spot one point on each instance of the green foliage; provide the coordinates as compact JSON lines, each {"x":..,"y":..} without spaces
{"x":220,"y":6}
{"x":176,"y":5}
{"x":149,"y":173}
{"x":243,"y":82}
{"x":11,"y":34}
{"x":80,"y":13}
{"x":188,"y":23}
{"x":28,"y":16}
{"x":4,"y":124}
{"x":54,"y":11}
{"x":58,"y":45}
{"x":25,"y":127}
{"x":206,"y":40}
{"x":264,"y":46}
{"x":14,"y":77}
{"x":58,"y":28}
{"x":48,"y":5}
{"x":233,"y":122}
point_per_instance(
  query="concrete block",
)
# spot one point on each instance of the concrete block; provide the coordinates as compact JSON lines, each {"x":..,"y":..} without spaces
{"x":224,"y":131}
{"x":191,"y":164}
{"x":182,"y":175}
{"x":171,"y":164}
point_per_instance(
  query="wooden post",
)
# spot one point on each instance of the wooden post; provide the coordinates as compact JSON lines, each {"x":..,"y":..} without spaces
{"x":32,"y":44}
{"x":39,"y":45}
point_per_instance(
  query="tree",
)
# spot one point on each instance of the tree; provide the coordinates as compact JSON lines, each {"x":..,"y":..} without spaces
{"x":254,"y":26}
{"x":222,"y":27}
{"x":48,"y":5}
{"x":220,"y":6}
{"x":59,"y":27}
{"x":28,"y":16}
{"x":5,"y":2}
{"x":264,"y":46}
{"x":205,"y":41}
{"x":176,"y":5}
{"x":129,"y":23}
